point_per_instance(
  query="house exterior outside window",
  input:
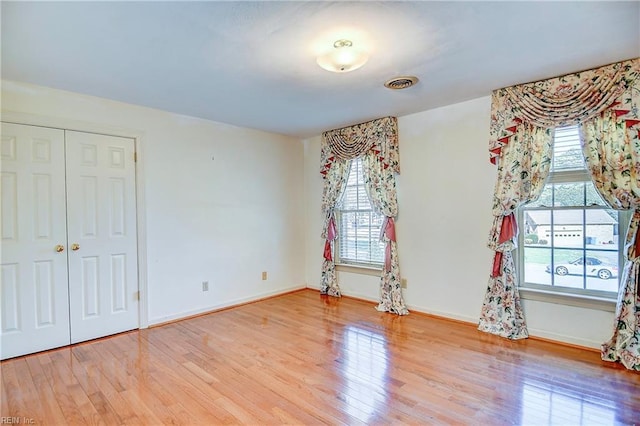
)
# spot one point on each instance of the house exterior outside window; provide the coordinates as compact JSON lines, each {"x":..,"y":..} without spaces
{"x":570,"y":241}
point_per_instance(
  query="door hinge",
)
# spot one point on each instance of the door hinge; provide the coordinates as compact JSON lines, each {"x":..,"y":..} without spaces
{"x":135,"y":157}
{"x":136,"y":295}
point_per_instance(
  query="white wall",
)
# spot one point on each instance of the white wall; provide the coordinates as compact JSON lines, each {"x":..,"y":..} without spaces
{"x":444,"y":194}
{"x":222,"y":203}
{"x":256,"y":204}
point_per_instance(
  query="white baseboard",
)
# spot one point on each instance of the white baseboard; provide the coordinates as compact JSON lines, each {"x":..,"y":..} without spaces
{"x":226,"y":304}
{"x":445,"y":315}
{"x":533,"y":332}
{"x":563,"y":338}
{"x":348,"y":293}
{"x":356,"y":295}
{"x":416,"y":308}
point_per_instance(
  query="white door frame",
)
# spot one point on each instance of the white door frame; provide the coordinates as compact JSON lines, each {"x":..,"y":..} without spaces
{"x":138,"y":136}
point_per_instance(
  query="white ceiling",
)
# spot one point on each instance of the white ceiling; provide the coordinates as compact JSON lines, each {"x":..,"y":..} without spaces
{"x":253,"y":64}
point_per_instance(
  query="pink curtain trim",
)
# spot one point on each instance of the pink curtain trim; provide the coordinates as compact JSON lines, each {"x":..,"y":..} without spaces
{"x":331,"y":231}
{"x":508,"y":230}
{"x":389,"y":231}
{"x":327,"y":250}
{"x":331,"y":235}
{"x":496,"y":271}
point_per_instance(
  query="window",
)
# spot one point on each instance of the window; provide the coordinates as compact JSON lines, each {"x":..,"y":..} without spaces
{"x":570,"y":239}
{"x":358,"y":224}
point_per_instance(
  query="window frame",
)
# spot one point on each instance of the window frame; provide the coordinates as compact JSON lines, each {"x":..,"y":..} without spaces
{"x":581,"y":297}
{"x":348,"y":265}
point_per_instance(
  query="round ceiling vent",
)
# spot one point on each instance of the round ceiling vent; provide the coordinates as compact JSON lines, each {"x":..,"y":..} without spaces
{"x":403,"y":82}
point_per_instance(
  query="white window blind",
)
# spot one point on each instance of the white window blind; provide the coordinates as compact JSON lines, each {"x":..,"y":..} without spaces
{"x":567,"y":151}
{"x":358,"y":224}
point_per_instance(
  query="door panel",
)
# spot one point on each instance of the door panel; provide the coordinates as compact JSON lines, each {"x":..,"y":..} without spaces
{"x":103,"y":281}
{"x":11,"y":309}
{"x":44,"y":293}
{"x":34,"y":287}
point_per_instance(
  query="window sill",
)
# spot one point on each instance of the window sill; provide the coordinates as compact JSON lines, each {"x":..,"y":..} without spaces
{"x":357,"y":269}
{"x":581,"y":301}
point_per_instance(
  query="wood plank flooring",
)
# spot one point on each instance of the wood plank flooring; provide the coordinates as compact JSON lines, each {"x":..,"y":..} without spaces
{"x":307,"y":359}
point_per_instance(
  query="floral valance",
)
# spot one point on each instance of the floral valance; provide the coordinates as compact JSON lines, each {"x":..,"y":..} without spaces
{"x":566,"y":100}
{"x":347,"y":143}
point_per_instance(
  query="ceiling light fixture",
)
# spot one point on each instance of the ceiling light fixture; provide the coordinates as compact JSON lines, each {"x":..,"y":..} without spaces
{"x":343,"y":58}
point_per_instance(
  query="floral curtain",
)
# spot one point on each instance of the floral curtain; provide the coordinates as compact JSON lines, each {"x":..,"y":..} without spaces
{"x":377,"y":142}
{"x":335,"y":179}
{"x":560,"y":101}
{"x":522,"y":172}
{"x":522,"y":118}
{"x":380,"y":184}
{"x":612,"y":152}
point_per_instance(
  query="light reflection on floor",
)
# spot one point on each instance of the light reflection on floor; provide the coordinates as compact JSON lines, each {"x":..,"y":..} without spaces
{"x":365,"y":369}
{"x":544,"y":404}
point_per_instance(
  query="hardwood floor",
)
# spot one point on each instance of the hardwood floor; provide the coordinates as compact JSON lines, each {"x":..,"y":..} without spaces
{"x":307,"y":359}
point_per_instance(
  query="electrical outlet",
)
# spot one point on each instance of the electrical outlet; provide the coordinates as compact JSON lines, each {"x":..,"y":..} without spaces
{"x":403,"y":283}
{"x":264,"y":275}
{"x":205,"y":285}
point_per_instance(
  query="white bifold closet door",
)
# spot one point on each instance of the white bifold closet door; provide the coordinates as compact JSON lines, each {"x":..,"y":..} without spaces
{"x":34,"y":287}
{"x":69,"y":263}
{"x":101,"y":220}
